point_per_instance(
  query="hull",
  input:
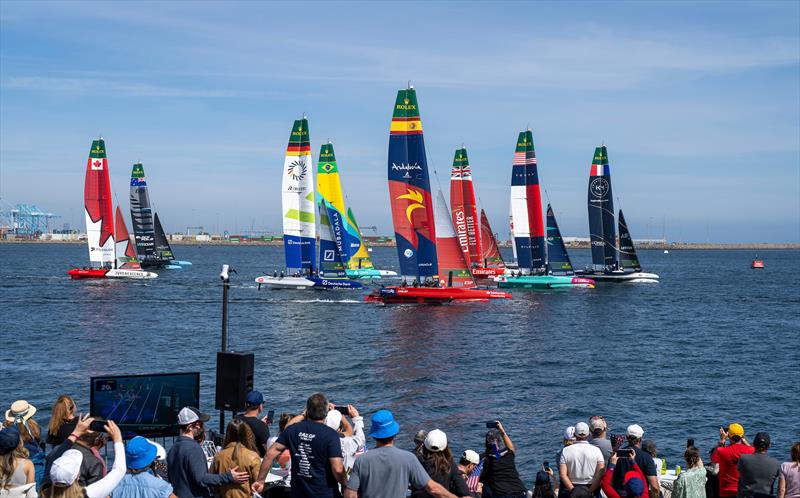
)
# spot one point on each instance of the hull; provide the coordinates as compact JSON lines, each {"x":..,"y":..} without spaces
{"x":80,"y":273}
{"x":757,"y":265}
{"x":487,"y":272}
{"x":544,"y":282}
{"x":335,"y":283}
{"x":370,"y":273}
{"x":432,"y":295}
{"x":633,"y":277}
{"x":285,"y":282}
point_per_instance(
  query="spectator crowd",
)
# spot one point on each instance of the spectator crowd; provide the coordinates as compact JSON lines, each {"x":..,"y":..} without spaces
{"x":322,"y":452}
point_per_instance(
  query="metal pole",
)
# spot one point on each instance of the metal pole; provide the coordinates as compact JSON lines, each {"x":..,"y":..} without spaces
{"x":226,"y":284}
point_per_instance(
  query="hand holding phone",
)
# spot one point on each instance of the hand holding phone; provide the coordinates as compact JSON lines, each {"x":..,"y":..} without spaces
{"x":343,"y":410}
{"x":492,"y":424}
{"x":98,"y":426}
{"x":689,"y":443}
{"x":270,"y":414}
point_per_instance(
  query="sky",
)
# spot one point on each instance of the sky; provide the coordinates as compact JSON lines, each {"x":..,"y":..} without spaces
{"x":698,"y":103}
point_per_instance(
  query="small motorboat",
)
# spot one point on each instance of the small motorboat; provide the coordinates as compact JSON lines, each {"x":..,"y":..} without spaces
{"x":757,"y":264}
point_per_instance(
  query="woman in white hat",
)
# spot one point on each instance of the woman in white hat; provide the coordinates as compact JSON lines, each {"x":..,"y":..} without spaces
{"x":437,"y":459}
{"x":65,"y":469}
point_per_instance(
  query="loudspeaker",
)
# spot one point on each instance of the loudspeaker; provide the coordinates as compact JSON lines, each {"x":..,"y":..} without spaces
{"x":234,"y":380}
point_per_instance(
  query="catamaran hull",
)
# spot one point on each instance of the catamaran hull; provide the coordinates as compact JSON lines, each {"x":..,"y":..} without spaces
{"x":285,"y":282}
{"x":80,"y":273}
{"x":636,"y":277}
{"x":335,"y":283}
{"x":489,"y":273}
{"x":432,"y":295}
{"x":544,"y":282}
{"x":370,"y":273}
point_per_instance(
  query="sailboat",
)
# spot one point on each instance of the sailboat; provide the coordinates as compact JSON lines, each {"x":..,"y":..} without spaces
{"x":465,"y":215}
{"x":492,"y":259}
{"x":348,"y":239}
{"x":100,"y":224}
{"x":609,"y":264}
{"x":151,"y":241}
{"x":418,"y":247}
{"x":528,"y":229}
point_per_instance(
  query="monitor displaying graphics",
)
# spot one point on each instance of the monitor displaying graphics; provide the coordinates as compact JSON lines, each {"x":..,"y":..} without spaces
{"x":146,"y":405}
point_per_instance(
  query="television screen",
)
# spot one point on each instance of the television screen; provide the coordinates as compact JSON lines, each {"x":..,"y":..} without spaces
{"x":146,"y":405}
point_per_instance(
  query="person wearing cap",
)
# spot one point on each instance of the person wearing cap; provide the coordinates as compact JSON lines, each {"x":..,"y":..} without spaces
{"x":254,"y":405}
{"x":757,"y":471}
{"x":419,"y":441}
{"x":351,"y":436}
{"x":15,"y":470}
{"x":63,"y":473}
{"x":633,"y":480}
{"x":727,"y":457}
{"x":599,"y":429}
{"x":581,"y":464}
{"x":186,"y":462}
{"x":139,"y":481}
{"x":387,"y":471}
{"x":315,"y":450}
{"x":499,"y":472}
{"x":466,"y":465}
{"x":634,"y":435}
{"x":437,"y":459}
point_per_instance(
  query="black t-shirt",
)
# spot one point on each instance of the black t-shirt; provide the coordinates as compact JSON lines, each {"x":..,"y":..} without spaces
{"x":63,"y":432}
{"x":311,"y":446}
{"x":260,"y":431}
{"x":452,"y":480}
{"x":643,"y":460}
{"x":502,"y":476}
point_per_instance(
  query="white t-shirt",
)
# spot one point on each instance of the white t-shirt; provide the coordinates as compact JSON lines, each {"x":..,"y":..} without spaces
{"x":581,"y":459}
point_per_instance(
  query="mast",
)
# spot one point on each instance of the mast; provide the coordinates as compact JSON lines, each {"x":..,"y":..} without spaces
{"x":410,"y":191}
{"x":98,"y":208}
{"x":299,"y":203}
{"x":601,"y":212}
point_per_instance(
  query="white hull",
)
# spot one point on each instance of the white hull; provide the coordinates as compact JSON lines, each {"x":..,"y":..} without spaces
{"x":139,"y":274}
{"x":636,"y":277}
{"x":285,"y":282}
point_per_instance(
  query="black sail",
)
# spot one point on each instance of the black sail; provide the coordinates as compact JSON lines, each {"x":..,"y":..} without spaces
{"x":627,"y":253}
{"x":557,"y":258}
{"x":602,"y":232}
{"x":163,"y":250}
{"x":142,"y":218}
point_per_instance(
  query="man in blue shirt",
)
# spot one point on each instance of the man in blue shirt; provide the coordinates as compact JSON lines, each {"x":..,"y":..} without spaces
{"x":317,"y":466}
{"x":138,"y":481}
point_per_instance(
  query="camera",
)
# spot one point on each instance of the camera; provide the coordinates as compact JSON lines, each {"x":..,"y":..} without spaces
{"x":224,"y":273}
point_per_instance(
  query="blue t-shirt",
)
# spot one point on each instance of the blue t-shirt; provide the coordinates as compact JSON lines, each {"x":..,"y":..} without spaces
{"x":311,"y":446}
{"x":142,"y":485}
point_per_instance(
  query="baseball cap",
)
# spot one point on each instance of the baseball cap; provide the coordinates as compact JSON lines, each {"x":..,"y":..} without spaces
{"x":436,"y":440}
{"x":471,"y":457}
{"x":254,"y":398}
{"x":419,"y":437}
{"x":139,"y":453}
{"x":761,"y":440}
{"x":383,"y":425}
{"x":634,"y":487}
{"x":569,"y":432}
{"x":190,"y":414}
{"x":581,"y":429}
{"x":635,"y":430}
{"x":65,"y":469}
{"x":735,"y":430}
{"x":333,"y":419}
{"x":9,"y":439}
{"x":597,"y":423}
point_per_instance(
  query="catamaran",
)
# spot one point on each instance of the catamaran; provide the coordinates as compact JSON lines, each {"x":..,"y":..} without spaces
{"x":348,"y":239}
{"x":609,"y":263}
{"x":152,"y":245}
{"x":465,"y":217}
{"x":301,"y":210}
{"x":107,"y":259}
{"x":528,"y":230}
{"x":424,"y":256}
{"x":492,"y":259}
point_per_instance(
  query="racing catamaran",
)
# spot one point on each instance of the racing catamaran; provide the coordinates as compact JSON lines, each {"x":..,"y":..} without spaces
{"x":100,"y":225}
{"x":415,"y":223}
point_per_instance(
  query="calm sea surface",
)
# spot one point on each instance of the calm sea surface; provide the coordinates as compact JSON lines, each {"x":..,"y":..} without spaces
{"x":715,"y":342}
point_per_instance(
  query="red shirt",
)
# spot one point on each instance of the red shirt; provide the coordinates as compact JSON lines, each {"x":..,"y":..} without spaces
{"x":728,"y":457}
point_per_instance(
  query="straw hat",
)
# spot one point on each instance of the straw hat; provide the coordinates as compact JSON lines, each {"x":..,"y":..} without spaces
{"x":20,"y":409}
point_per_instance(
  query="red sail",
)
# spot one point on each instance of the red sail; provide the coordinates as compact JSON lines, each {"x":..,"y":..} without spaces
{"x":453,"y":268}
{"x":462,"y":204}
{"x":491,"y":252}
{"x":126,"y":251}
{"x":97,"y":203}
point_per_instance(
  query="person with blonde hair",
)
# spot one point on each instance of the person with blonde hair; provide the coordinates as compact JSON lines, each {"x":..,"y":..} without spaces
{"x":65,"y":469}
{"x":789,"y":478}
{"x":239,"y":451}
{"x":17,"y":475}
{"x":62,"y":420}
{"x":21,"y":414}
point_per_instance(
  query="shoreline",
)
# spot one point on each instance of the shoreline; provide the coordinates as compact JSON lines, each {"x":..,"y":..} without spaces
{"x":279,"y":243}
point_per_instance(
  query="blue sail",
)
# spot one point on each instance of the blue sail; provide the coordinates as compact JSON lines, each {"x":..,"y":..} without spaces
{"x":557,"y":258}
{"x":330,"y":259}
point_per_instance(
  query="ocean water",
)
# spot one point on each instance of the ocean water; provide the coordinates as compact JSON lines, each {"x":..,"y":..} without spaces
{"x":714,"y":342}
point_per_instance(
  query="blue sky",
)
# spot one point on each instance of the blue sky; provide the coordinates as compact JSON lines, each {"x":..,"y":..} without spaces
{"x":699,"y":104}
